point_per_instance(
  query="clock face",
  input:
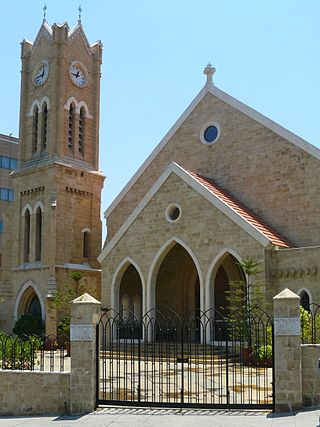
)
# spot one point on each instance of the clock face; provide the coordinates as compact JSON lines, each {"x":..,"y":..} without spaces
{"x":40,"y":73}
{"x":78,"y":74}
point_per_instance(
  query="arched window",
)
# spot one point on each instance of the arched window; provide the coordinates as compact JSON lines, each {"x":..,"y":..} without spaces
{"x":305,"y":300}
{"x":72,"y":113}
{"x":86,"y":244}
{"x":81,"y":130}
{"x":38,"y":234}
{"x":35,"y":129}
{"x":26,"y":248}
{"x":44,"y":127}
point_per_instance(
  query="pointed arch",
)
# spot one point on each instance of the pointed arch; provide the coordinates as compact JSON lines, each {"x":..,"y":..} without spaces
{"x":305,"y":291}
{"x":40,"y":205}
{"x":156,"y":263}
{"x":26,"y":207}
{"x":44,"y":102}
{"x":27,"y":288}
{"x":213,"y":269}
{"x":71,"y":100}
{"x":35,"y":103}
{"x":116,"y":281}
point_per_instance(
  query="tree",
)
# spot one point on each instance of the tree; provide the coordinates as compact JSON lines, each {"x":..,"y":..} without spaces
{"x":63,"y":298}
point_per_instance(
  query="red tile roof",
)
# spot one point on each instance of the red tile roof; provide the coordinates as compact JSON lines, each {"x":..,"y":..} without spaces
{"x":243,"y":211}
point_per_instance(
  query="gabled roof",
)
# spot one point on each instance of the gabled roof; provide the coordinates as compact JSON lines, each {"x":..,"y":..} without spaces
{"x":223,"y":201}
{"x":275,"y":238}
{"x":228,"y":99}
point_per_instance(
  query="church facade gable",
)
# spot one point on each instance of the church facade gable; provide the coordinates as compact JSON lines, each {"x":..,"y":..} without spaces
{"x":249,"y":160}
{"x":174,"y":255}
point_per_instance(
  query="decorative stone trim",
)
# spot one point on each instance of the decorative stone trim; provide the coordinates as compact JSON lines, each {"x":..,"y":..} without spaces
{"x":295,"y":272}
{"x":32,"y":190}
{"x":76,"y":190}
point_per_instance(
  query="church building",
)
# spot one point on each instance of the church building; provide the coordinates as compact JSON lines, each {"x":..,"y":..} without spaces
{"x":53,"y":226}
{"x":225,"y":183}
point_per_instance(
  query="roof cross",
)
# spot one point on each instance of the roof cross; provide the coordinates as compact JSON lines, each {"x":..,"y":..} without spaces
{"x":44,"y":12}
{"x":209,"y":72}
{"x":80,"y":11}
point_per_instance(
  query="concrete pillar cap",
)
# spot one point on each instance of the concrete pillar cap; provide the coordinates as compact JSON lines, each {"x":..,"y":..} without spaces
{"x":85,"y":299}
{"x":286,"y":294}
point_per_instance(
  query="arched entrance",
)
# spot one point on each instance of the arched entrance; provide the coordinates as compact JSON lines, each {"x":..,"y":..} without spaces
{"x":30,"y":304}
{"x":225,"y":274}
{"x":130,"y":293}
{"x":177,"y":285}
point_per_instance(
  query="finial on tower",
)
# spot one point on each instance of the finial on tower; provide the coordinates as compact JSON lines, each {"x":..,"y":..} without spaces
{"x":209,"y":72}
{"x":80,"y":12}
{"x":45,"y":12}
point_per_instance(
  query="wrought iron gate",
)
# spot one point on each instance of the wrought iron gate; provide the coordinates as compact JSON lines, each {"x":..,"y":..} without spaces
{"x":204,"y":360}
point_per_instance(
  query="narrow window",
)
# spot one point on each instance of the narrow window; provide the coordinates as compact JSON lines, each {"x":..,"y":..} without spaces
{"x":26,"y":236}
{"x":38,"y":234}
{"x":44,"y":127}
{"x":71,"y":127}
{"x":86,"y":244}
{"x":305,"y":300}
{"x":35,"y":129}
{"x":81,"y":130}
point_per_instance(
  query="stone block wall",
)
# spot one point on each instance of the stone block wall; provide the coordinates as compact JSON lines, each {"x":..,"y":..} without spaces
{"x":34,"y":393}
{"x":310,"y":375}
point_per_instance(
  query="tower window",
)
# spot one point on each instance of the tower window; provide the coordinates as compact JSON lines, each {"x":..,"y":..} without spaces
{"x":86,"y":244}
{"x":71,"y":126}
{"x":35,"y":129}
{"x":81,"y":130}
{"x":26,"y":248}
{"x":44,"y":127}
{"x":38,"y":234}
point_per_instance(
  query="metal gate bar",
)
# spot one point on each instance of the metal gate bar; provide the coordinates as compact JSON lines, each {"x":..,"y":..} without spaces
{"x":204,"y":360}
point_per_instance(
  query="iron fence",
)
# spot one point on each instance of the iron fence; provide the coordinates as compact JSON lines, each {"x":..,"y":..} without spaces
{"x":34,"y":353}
{"x":203,"y":360}
{"x":310,"y":324}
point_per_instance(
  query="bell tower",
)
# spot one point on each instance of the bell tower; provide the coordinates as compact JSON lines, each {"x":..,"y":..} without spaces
{"x":57,"y":188}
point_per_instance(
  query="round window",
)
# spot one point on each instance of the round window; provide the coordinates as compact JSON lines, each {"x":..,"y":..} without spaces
{"x":210,"y":132}
{"x":173,"y":213}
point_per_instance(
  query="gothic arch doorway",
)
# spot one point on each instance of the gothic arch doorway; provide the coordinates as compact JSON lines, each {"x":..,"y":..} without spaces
{"x":177,"y":285}
{"x":29,"y":303}
{"x":130,"y":292}
{"x":225,"y":272}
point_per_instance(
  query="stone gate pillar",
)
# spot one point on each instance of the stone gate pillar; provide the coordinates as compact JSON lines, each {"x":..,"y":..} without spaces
{"x":85,"y":313}
{"x":287,"y":345}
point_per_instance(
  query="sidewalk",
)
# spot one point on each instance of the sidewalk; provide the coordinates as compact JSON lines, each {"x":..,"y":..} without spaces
{"x":122,"y":417}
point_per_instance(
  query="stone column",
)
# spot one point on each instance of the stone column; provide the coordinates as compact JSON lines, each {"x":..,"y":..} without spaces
{"x":85,"y":312}
{"x":287,"y":345}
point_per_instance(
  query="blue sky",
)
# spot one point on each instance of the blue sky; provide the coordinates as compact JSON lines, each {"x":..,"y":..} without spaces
{"x":266,"y":54}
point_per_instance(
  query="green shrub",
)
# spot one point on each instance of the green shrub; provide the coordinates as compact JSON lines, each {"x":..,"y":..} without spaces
{"x":19,"y":353}
{"x":28,"y":325}
{"x":263,"y":352}
{"x":64,"y":327}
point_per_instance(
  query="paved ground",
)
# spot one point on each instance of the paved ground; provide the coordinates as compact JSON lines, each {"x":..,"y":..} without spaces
{"x":123,"y":417}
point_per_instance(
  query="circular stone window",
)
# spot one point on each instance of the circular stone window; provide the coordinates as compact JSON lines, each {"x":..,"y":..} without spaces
{"x":173,"y":213}
{"x":209,"y":133}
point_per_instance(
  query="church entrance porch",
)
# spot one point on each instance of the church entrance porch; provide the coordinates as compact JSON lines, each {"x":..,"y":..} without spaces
{"x":177,"y":283}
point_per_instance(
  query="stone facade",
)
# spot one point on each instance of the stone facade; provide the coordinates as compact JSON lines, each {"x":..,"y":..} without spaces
{"x":251,"y":161}
{"x":53,"y":227}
